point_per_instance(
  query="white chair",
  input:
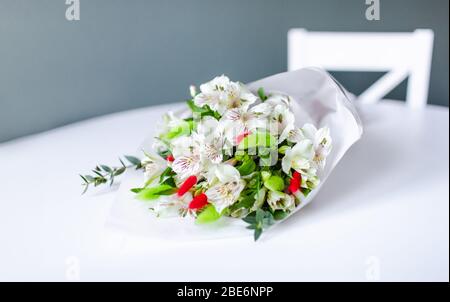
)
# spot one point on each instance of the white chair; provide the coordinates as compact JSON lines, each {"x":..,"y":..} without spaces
{"x":400,"y":54}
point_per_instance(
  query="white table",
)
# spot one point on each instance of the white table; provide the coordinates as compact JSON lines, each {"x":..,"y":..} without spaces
{"x":382,"y":215}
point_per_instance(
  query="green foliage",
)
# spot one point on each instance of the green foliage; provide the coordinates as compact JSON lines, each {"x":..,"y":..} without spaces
{"x":274,"y":183}
{"x":203,"y":111}
{"x":247,"y":167}
{"x":262,"y":95}
{"x":259,"y":221}
{"x":280,"y":215}
{"x":166,"y":177}
{"x":103,"y":174}
{"x":155,"y":192}
{"x":183,"y":128}
{"x":133,"y":160}
{"x":207,"y":215}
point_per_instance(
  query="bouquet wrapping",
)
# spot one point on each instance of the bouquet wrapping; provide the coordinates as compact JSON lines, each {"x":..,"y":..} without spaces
{"x":231,"y":191}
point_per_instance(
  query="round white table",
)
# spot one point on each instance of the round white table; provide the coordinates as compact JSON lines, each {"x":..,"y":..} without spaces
{"x":382,"y":215}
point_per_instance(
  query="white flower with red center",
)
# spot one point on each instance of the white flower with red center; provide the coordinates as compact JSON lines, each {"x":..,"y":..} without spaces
{"x":225,"y":186}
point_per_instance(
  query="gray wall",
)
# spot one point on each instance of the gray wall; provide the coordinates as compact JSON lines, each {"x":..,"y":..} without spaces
{"x":126,"y":54}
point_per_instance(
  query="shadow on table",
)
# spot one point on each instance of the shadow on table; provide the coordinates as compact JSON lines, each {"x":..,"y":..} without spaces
{"x":362,"y":174}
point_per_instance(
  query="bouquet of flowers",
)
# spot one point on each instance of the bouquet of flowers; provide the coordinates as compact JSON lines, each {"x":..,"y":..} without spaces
{"x":235,"y":153}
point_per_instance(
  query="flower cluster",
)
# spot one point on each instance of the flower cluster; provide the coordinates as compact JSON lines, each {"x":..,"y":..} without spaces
{"x":238,"y":154}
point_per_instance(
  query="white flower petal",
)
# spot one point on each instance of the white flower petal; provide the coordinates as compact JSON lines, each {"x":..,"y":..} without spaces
{"x":280,"y":201}
{"x":172,"y":205}
{"x":225,"y":194}
{"x":186,"y":166}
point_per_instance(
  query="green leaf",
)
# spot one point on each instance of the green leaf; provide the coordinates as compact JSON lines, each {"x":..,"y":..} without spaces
{"x":133,"y":160}
{"x":259,"y":221}
{"x":169,"y":181}
{"x":208,"y":214}
{"x":306,"y":191}
{"x":247,"y":167}
{"x":265,"y":175}
{"x":167,"y":177}
{"x":106,"y":168}
{"x":84,"y":179}
{"x":182,"y":128}
{"x":195,"y":108}
{"x":262,"y":95}
{"x":203,"y":111}
{"x":257,"y":233}
{"x":119,"y":171}
{"x":155,"y":192}
{"x":97,"y":173}
{"x":283,"y":149}
{"x":250,"y":219}
{"x":274,"y":183}
{"x":164,"y":153}
{"x":280,"y":215}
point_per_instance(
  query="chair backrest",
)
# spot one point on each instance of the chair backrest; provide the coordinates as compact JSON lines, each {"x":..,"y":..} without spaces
{"x":400,"y":54}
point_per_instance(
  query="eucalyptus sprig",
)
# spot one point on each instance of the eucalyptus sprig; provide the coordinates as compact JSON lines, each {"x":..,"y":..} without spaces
{"x":258,"y":221}
{"x":103,"y":174}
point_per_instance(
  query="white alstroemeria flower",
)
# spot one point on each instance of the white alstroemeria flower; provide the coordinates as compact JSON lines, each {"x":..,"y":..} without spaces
{"x":209,"y":140}
{"x":292,"y":134}
{"x":281,"y":120}
{"x":278,"y":99}
{"x":172,"y":205}
{"x":182,"y":146}
{"x":239,"y":122}
{"x":194,"y":154}
{"x":226,"y":186}
{"x":274,"y":100}
{"x":310,"y":179}
{"x":298,"y":157}
{"x":221,"y":94}
{"x":153,"y":166}
{"x":322,"y":143}
{"x":239,"y":96}
{"x":185,"y":166}
{"x":187,"y":157}
{"x":212,"y":150}
{"x":280,"y":201}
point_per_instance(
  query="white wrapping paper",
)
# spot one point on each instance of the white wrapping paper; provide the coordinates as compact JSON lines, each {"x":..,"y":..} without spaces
{"x":317,"y":99}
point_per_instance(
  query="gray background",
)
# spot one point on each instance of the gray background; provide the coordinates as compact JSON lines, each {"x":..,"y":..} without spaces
{"x":126,"y":54}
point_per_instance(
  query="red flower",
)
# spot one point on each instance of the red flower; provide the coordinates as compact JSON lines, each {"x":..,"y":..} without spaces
{"x":198,"y":202}
{"x":170,"y":158}
{"x":187,"y":185}
{"x":295,"y":183}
